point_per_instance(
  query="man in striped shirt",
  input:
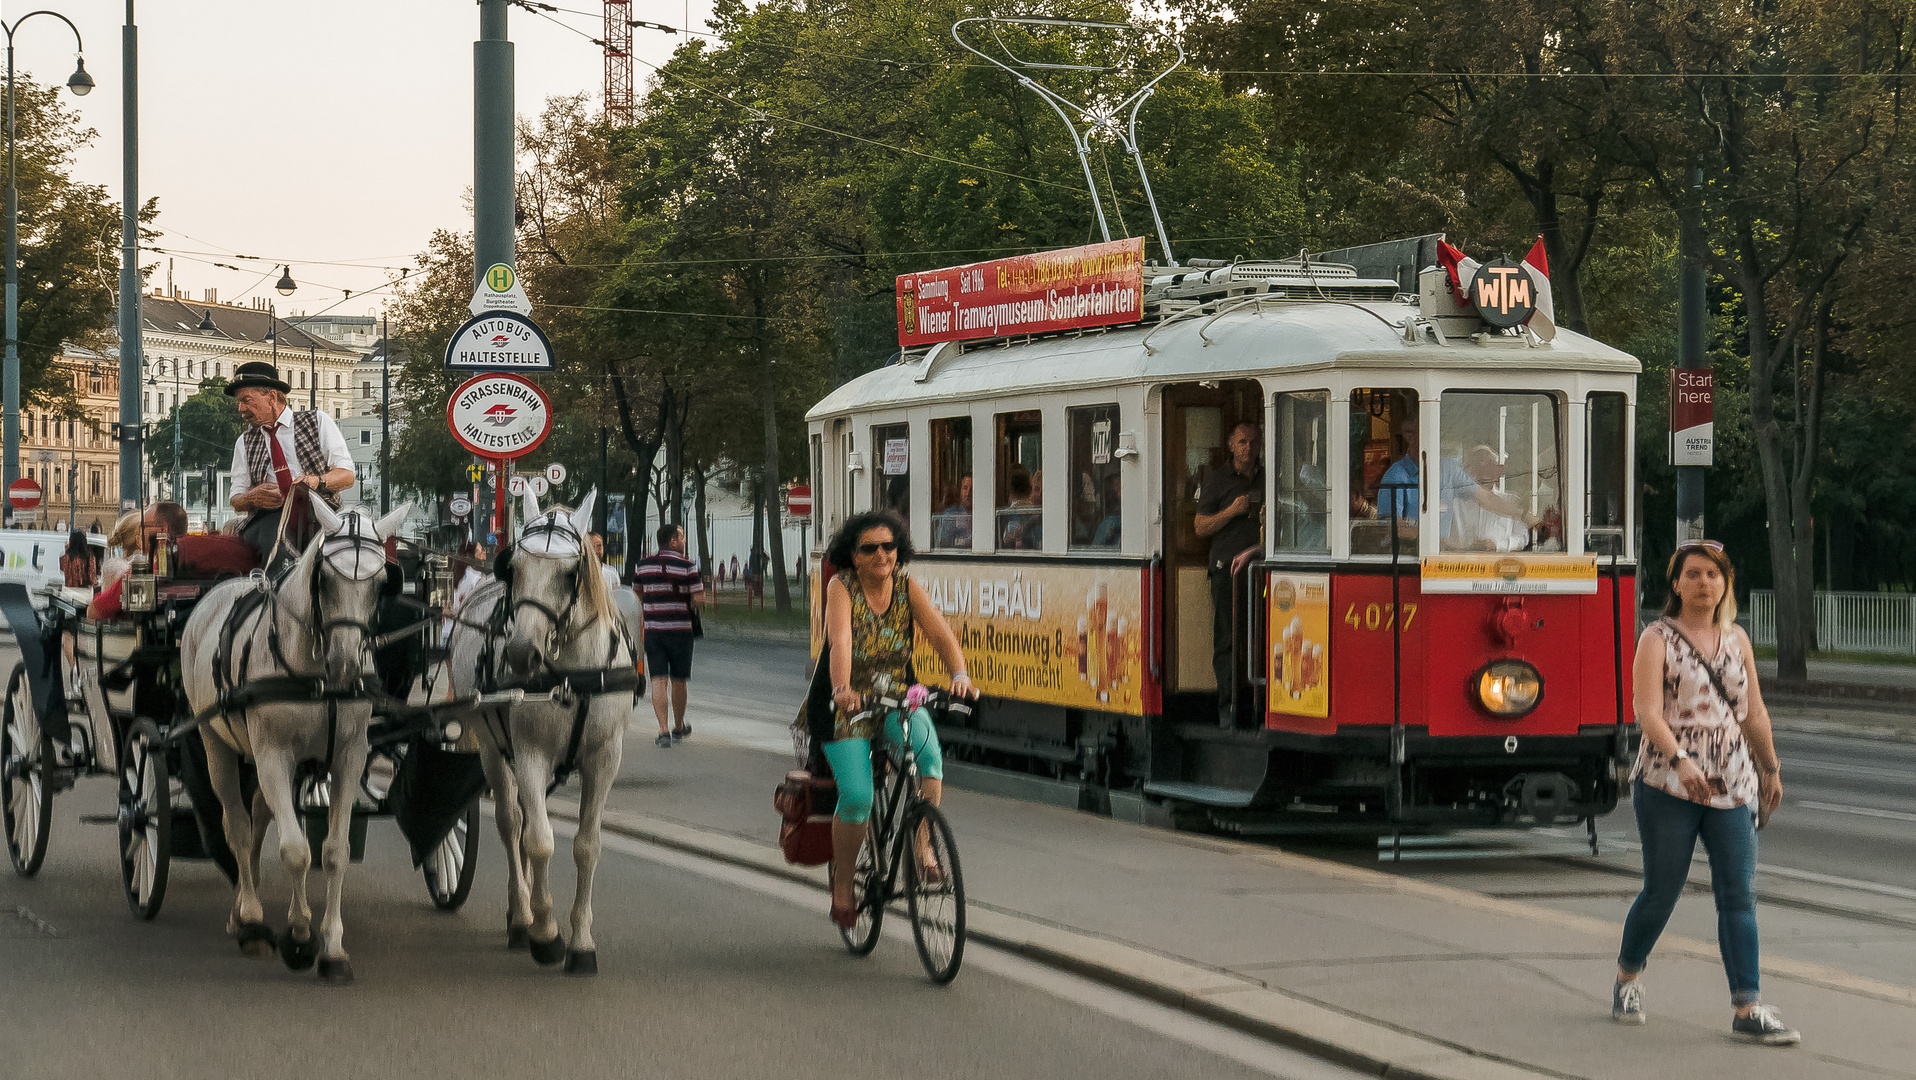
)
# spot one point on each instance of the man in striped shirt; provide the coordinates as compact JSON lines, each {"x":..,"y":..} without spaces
{"x":669,"y":587}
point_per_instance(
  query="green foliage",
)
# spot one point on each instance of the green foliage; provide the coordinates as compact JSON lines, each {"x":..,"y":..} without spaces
{"x":208,"y":425}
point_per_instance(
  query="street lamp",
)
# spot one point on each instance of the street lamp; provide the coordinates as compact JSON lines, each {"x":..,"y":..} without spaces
{"x":80,"y":83}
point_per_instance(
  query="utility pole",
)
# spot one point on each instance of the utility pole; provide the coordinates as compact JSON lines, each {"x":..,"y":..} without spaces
{"x":385,"y":416}
{"x":1693,"y":366}
{"x":132,"y":443}
{"x":492,"y":142}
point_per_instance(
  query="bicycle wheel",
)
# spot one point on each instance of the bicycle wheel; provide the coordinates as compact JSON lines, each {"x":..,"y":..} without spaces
{"x":869,"y":895}
{"x":26,"y":796}
{"x":937,"y":903}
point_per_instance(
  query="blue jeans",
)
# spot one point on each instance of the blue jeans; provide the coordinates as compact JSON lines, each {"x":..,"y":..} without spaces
{"x":1669,"y":828}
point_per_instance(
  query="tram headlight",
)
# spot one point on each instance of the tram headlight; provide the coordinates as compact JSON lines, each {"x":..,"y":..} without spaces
{"x":1508,"y":688}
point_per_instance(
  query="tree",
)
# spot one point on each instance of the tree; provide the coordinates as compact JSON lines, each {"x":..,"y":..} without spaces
{"x":69,"y":244}
{"x":209,"y":426}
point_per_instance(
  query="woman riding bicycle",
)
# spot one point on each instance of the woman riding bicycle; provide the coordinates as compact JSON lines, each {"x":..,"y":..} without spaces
{"x":871,"y":613}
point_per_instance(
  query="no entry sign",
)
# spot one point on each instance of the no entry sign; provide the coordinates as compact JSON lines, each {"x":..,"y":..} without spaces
{"x":24,"y":493}
{"x":499,"y":415}
{"x":798,"y":501}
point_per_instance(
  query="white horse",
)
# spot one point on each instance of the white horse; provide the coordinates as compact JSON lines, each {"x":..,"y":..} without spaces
{"x":305,"y":637}
{"x":547,"y":625}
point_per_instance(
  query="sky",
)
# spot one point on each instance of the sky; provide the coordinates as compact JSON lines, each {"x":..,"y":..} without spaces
{"x":334,"y":137}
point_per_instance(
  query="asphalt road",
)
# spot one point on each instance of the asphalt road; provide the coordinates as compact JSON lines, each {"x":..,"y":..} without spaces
{"x":705,"y":971}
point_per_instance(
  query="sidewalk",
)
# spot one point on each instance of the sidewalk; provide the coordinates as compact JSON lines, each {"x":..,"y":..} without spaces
{"x":1400,"y":977}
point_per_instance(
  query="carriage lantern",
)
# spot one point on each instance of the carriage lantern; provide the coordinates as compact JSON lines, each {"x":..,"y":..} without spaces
{"x":140,"y":592}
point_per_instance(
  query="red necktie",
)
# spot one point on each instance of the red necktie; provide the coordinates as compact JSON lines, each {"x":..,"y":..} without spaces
{"x":283,"y":474}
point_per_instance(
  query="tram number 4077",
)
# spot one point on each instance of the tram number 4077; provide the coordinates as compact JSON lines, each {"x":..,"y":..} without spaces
{"x":1379,"y":616}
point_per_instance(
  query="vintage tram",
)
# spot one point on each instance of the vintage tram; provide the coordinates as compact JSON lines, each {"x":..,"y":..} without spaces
{"x":1433,"y":626}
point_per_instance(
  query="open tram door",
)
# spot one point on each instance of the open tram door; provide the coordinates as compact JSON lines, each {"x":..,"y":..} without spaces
{"x":1199,"y":646}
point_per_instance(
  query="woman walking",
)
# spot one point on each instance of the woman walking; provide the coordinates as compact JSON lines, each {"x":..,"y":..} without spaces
{"x":872,"y":611}
{"x":1707,"y":769}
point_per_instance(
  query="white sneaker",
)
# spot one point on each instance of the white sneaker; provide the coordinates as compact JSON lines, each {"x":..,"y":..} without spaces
{"x":1626,"y":1002}
{"x":1762,"y":1025}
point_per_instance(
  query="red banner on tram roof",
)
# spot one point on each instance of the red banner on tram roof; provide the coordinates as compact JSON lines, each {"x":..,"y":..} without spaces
{"x":1068,"y":289}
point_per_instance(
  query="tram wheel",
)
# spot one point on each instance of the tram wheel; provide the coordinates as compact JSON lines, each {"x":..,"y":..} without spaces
{"x":937,"y":906}
{"x":450,"y":867}
{"x":26,"y":762}
{"x":146,"y":818}
{"x":868,"y":896}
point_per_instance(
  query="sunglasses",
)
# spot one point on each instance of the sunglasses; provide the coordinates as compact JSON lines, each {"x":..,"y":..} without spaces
{"x":873,"y":549}
{"x":1713,"y":545}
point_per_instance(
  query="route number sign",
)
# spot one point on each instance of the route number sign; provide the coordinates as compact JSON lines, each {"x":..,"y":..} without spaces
{"x":460,"y":506}
{"x":499,"y":415}
{"x":555,"y":473}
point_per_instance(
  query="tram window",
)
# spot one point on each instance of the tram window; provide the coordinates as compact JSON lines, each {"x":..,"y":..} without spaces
{"x":1301,"y":516}
{"x":1609,"y":437}
{"x":951,"y":482}
{"x":891,"y":470}
{"x":1097,"y":487}
{"x":1383,"y":448}
{"x":1503,"y":484}
{"x":1020,"y":476}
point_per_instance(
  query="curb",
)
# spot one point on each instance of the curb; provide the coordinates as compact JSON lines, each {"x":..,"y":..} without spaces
{"x":1223,"y":997}
{"x":761,"y":635}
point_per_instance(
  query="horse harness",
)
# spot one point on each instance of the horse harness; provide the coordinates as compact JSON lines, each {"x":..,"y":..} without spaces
{"x":262,"y":596}
{"x":580,"y":685}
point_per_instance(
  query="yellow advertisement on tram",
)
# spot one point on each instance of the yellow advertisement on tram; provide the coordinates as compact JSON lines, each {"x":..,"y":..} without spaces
{"x":1056,"y":635}
{"x":1300,"y":639}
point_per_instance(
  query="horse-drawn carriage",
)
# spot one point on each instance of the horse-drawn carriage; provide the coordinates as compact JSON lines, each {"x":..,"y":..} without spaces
{"x":249,"y":695}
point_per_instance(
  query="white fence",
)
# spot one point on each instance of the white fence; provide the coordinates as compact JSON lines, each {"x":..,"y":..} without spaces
{"x":1846,"y":621}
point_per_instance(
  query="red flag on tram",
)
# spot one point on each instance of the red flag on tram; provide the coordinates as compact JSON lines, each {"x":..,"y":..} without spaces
{"x":1461,"y":269}
{"x":1543,"y":322}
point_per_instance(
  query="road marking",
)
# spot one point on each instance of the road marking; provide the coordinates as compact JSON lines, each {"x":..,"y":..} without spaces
{"x":1809,"y":876}
{"x":1832,"y":769}
{"x":1858,"y":811}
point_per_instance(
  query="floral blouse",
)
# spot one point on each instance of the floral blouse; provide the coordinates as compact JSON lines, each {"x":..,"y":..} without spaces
{"x":1703,"y":722}
{"x":881,"y":645}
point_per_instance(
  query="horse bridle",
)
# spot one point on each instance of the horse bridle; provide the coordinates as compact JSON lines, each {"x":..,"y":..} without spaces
{"x":552,"y":524}
{"x":330,"y":546}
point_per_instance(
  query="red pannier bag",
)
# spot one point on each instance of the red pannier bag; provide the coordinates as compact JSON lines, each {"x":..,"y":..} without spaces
{"x":805,"y":803}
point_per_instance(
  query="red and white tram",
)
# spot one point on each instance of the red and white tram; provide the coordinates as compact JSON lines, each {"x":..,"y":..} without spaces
{"x":1437,"y":624}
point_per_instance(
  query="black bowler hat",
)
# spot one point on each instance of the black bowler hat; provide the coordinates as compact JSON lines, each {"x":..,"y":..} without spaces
{"x":257,"y":375}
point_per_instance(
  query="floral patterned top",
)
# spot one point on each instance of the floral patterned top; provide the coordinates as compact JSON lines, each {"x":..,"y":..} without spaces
{"x":1703,"y":723}
{"x":881,"y":645}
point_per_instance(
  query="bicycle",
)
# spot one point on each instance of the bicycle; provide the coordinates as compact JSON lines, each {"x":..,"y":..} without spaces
{"x":899,"y":812}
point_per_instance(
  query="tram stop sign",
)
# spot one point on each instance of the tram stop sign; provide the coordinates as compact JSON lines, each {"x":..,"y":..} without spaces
{"x":798,"y":501}
{"x":23,"y":494}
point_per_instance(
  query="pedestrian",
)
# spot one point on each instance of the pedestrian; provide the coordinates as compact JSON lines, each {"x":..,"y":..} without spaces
{"x":669,"y":588}
{"x":623,"y":598}
{"x":1707,"y":769}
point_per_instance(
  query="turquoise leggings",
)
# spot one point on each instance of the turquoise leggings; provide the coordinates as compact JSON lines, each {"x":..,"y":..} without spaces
{"x":851,"y":761}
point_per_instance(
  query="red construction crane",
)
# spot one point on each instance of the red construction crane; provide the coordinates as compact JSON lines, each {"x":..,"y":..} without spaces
{"x":618,"y":62}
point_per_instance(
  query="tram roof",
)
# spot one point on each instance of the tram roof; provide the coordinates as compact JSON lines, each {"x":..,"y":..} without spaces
{"x":1273,"y":338}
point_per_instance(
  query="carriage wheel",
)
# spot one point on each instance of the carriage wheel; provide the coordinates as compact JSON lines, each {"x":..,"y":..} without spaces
{"x":146,"y":818}
{"x":26,"y":758}
{"x":937,"y":907}
{"x":450,"y":867}
{"x":868,"y":896}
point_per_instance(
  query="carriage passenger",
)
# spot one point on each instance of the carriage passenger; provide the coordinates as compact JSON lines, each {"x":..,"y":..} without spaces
{"x":133,"y":535}
{"x":873,"y":611}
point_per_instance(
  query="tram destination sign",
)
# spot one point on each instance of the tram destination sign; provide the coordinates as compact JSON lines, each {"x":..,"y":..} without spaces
{"x":1068,"y":289}
{"x":499,"y":341}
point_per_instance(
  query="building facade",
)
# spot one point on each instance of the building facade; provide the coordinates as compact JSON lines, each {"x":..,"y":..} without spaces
{"x":75,"y":459}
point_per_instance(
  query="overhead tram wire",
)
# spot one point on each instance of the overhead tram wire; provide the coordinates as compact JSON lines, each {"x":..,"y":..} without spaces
{"x":755,"y":110}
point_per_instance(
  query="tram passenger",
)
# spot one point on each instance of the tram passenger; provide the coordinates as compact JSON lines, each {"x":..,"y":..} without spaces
{"x":1021,"y":522}
{"x":952,"y":528}
{"x":1228,"y":513}
{"x":1488,"y":520}
{"x":1707,"y":769}
{"x":305,"y":450}
{"x":873,"y":611}
{"x":1109,"y":529}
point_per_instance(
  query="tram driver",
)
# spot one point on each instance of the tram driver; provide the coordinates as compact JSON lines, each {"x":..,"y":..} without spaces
{"x":1228,"y":512}
{"x":1457,"y":488}
{"x":1488,"y":520}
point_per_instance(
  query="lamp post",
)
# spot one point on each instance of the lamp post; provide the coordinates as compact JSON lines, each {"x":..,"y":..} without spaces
{"x":385,"y":417}
{"x":161,"y":365}
{"x":80,"y":83}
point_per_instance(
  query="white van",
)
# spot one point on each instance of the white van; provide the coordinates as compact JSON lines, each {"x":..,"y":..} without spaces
{"x":32,"y":557}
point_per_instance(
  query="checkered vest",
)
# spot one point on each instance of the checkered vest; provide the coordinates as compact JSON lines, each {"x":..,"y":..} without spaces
{"x":311,"y":459}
